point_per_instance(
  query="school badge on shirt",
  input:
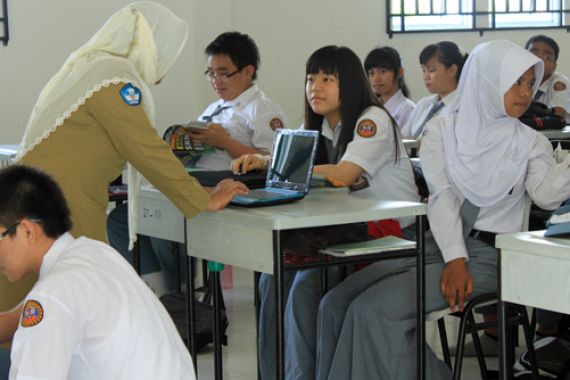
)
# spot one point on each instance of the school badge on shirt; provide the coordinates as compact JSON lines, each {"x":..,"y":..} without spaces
{"x":366,"y":128}
{"x":131,"y":95}
{"x":32,"y":314}
{"x":276,"y":124}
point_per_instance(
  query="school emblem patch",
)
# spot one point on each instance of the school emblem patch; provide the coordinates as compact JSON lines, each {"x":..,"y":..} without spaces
{"x":366,"y":128}
{"x":559,"y":86}
{"x":32,"y":314}
{"x":276,"y":124}
{"x":131,"y":95}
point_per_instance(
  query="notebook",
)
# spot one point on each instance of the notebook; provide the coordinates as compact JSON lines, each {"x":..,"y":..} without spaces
{"x":387,"y":243}
{"x":289,"y":176}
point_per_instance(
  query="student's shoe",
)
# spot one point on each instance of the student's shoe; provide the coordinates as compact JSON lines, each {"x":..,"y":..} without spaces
{"x":552,"y":354}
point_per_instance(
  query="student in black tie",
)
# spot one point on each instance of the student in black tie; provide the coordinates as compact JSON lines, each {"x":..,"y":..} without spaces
{"x":441,"y":65}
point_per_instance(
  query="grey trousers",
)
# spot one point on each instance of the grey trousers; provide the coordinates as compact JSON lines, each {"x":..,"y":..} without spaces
{"x":367,"y":324}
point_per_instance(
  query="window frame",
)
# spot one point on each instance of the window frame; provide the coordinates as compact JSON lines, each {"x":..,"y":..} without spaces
{"x":562,"y":10}
{"x":5,"y":37}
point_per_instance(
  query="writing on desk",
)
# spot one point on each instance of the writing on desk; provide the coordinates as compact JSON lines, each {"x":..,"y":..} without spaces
{"x":148,"y":213}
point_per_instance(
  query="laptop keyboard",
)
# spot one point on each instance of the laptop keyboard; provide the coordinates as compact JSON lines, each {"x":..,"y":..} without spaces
{"x":262,"y":194}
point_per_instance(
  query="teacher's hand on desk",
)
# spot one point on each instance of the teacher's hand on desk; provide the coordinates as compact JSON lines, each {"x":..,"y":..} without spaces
{"x":456,"y":283}
{"x":249,"y":162}
{"x":224,"y":192}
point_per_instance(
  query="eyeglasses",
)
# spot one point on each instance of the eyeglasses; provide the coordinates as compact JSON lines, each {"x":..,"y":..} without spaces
{"x":9,"y":230}
{"x":544,"y":55}
{"x":220,"y":77}
{"x":13,"y":227}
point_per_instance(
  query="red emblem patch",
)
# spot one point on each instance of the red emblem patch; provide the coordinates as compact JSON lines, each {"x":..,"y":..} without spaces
{"x":366,"y":128}
{"x":276,"y":124}
{"x":32,"y":314}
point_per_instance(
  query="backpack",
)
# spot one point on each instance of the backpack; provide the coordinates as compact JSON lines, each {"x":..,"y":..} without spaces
{"x":175,"y":304}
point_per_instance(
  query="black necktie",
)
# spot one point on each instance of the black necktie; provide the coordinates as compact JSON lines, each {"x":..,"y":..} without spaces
{"x":216,"y":112}
{"x":436,"y":107}
{"x":538,"y":94}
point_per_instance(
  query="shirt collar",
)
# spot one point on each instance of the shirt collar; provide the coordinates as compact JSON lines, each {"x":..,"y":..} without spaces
{"x":242,"y":99}
{"x":396,"y":98}
{"x":53,"y":253}
{"x":448,"y":98}
{"x":328,"y":132}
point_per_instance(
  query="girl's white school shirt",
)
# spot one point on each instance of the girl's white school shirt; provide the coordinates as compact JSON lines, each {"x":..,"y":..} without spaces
{"x":423,"y":106}
{"x":388,"y":179}
{"x":546,"y":182}
{"x":400,"y":108}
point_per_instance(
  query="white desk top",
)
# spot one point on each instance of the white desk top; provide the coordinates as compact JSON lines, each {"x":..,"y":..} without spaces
{"x":534,"y":242}
{"x":8,"y":152}
{"x":321,"y":207}
{"x":562,"y":134}
{"x":534,"y":270}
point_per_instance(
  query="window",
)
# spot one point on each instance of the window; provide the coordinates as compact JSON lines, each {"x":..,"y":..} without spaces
{"x":408,"y":16}
{"x":4,"y":22}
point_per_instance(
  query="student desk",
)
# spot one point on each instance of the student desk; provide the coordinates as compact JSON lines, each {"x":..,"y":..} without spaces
{"x":533,"y":271}
{"x":251,"y":237}
{"x":7,"y":154}
{"x":562,"y":134}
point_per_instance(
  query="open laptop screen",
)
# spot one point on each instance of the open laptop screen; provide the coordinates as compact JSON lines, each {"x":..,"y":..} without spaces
{"x":292,"y":161}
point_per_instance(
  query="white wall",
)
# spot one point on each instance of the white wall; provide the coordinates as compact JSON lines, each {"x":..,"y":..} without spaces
{"x":43,"y":33}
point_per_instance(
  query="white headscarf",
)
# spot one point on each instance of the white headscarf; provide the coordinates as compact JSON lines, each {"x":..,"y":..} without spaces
{"x":138,"y":44}
{"x":487,"y":151}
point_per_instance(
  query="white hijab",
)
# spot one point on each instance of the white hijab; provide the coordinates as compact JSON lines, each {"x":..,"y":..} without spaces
{"x":138,"y":44}
{"x":486,"y":150}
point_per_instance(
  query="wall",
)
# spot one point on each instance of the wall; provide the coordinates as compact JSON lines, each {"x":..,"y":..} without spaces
{"x":43,"y":33}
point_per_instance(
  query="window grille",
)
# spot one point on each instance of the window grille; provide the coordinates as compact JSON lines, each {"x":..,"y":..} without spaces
{"x":5,"y":36}
{"x":413,"y":16}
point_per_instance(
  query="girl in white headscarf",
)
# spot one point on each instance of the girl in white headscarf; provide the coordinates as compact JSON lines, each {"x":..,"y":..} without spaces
{"x":482,"y":154}
{"x":97,"y":113}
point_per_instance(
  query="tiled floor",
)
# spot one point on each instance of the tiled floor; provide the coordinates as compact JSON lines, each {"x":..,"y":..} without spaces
{"x":240,"y":355}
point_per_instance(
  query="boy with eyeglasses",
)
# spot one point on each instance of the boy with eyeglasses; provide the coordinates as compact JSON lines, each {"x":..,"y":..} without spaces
{"x":243,"y":120}
{"x":554,"y":91}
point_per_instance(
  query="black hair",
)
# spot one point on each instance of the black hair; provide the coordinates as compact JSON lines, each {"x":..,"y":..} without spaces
{"x":448,"y":53}
{"x":547,"y":40}
{"x":355,"y":93}
{"x":240,"y":47}
{"x":387,"y":58}
{"x":27,"y":192}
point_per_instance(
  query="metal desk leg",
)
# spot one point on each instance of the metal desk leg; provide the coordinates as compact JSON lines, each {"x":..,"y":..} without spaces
{"x":505,"y":368}
{"x":176,"y":256}
{"x":421,"y":299}
{"x":190,"y":305}
{"x":136,"y":252}
{"x":217,"y":319}
{"x":256,"y":302}
{"x":279,"y":305}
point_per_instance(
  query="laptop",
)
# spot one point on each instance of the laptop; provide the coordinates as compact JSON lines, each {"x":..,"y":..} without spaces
{"x":289,"y":176}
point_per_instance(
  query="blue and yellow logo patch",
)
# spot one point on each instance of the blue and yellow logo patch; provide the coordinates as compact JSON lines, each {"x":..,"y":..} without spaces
{"x":131,"y":95}
{"x":33,"y":313}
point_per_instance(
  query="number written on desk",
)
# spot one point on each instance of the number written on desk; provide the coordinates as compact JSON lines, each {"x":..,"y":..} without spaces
{"x":148,"y":213}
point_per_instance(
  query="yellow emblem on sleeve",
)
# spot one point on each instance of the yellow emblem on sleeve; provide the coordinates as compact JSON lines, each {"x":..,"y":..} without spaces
{"x":366,"y":128}
{"x":32,"y":314}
